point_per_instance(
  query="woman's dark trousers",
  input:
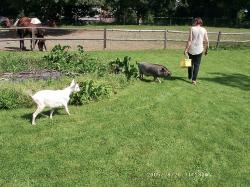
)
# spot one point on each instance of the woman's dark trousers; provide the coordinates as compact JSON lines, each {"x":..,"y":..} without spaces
{"x":194,"y":69}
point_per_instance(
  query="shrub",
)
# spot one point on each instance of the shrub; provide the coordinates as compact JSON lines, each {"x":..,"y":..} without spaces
{"x":14,"y":97}
{"x":90,"y":91}
{"x":59,"y":58}
{"x":87,"y":64}
{"x":14,"y":63}
{"x":11,"y":98}
{"x":70,"y":63}
{"x":124,"y":66}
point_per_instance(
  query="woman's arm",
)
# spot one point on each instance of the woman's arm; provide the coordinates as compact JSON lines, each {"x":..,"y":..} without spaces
{"x":188,"y":42}
{"x":206,"y":41}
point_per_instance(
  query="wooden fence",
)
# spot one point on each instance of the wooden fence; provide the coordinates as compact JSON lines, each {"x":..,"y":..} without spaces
{"x":165,"y":33}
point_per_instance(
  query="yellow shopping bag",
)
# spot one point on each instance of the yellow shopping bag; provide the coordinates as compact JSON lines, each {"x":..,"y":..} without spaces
{"x":185,"y":62}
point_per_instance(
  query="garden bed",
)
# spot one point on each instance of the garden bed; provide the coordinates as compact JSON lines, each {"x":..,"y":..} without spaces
{"x":41,"y":74}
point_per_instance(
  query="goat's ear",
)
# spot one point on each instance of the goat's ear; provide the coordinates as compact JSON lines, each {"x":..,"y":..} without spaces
{"x":72,"y":83}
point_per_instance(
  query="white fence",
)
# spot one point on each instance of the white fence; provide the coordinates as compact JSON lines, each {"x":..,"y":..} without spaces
{"x":105,"y":36}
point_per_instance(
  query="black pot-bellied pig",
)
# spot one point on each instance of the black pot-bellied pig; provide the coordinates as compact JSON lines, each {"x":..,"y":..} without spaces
{"x":155,"y":70}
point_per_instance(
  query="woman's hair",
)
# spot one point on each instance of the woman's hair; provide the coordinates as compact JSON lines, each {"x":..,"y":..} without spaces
{"x":198,"y":21}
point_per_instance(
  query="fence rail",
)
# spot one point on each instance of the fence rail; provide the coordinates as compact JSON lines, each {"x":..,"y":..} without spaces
{"x":105,"y":37}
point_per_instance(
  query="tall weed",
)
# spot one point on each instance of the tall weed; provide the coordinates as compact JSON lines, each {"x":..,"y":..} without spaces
{"x":11,"y":98}
{"x":124,"y":66}
{"x":61,"y":59}
{"x":90,"y":91}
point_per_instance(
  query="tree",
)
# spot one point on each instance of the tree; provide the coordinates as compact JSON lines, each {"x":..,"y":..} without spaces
{"x":213,"y":8}
{"x":127,"y":10}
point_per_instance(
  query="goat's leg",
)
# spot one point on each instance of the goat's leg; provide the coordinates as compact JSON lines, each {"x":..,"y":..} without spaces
{"x":38,"y":110}
{"x":51,"y":113}
{"x":66,"y":108}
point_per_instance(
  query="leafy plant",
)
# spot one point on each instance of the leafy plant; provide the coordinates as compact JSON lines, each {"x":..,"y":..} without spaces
{"x":11,"y":98}
{"x":124,"y":66}
{"x":14,"y":63}
{"x":59,"y":58}
{"x":72,"y":63}
{"x":86,"y":64}
{"x":89,"y":91}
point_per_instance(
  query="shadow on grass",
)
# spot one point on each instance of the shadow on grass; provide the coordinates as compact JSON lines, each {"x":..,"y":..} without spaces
{"x":44,"y":114}
{"x":152,"y":80}
{"x":16,"y":49}
{"x":12,"y":48}
{"x":235,"y":80}
{"x":179,"y":78}
{"x":146,"y":80}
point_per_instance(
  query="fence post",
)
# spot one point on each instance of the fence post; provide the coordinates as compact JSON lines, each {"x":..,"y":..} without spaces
{"x":218,"y":40}
{"x":105,"y":38}
{"x":165,"y":38}
{"x":32,"y":40}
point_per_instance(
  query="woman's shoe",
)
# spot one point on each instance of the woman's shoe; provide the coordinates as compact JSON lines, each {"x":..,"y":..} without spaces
{"x":194,"y":82}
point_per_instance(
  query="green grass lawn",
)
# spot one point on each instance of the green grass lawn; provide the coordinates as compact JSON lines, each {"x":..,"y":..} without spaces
{"x":148,"y":134}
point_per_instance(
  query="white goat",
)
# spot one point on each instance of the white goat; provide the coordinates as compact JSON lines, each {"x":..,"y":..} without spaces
{"x":53,"y":99}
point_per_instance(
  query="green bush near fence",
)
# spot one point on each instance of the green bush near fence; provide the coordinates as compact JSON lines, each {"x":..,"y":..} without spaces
{"x":77,"y":64}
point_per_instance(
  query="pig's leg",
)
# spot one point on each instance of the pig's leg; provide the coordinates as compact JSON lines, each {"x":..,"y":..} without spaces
{"x":141,"y":74}
{"x":157,"y":78}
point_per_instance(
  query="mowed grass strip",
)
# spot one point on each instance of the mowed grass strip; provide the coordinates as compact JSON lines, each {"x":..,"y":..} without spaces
{"x":149,"y":134}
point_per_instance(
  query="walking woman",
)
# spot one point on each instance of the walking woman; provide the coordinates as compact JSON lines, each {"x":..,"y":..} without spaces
{"x":195,"y":48}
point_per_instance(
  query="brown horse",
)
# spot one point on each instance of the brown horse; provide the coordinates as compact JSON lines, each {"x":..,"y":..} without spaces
{"x":38,"y":32}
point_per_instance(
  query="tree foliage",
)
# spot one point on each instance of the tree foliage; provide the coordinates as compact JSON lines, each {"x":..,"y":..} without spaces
{"x":125,"y":10}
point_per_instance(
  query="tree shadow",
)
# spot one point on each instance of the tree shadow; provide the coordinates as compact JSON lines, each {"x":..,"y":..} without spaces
{"x":235,"y":80}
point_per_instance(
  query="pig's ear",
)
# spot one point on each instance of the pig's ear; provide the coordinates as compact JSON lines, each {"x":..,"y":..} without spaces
{"x":72,"y":83}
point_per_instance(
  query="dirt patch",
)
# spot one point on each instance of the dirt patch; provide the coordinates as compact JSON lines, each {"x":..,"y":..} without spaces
{"x":43,"y":74}
{"x":95,"y":45}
